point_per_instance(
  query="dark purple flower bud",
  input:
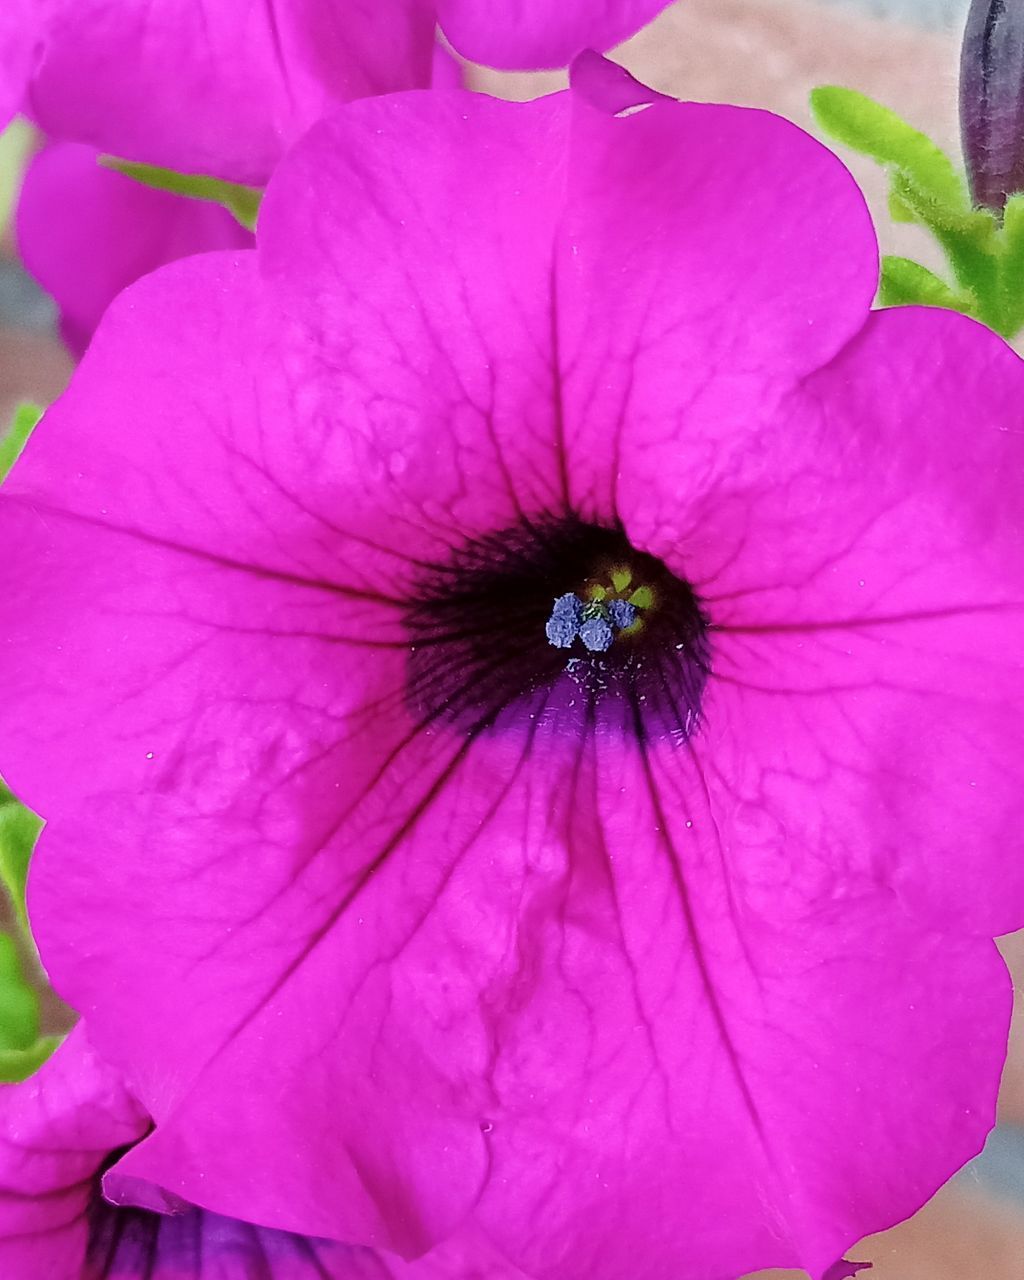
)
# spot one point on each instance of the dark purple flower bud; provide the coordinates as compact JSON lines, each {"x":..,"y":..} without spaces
{"x":992,"y":100}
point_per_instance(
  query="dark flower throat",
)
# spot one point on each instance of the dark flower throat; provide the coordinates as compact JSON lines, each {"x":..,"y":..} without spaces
{"x":561,"y":622}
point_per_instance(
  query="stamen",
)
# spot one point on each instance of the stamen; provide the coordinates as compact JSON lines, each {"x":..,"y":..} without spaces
{"x":568,"y":606}
{"x":596,"y":621}
{"x":564,"y":624}
{"x":561,"y":632}
{"x":597,"y":635}
{"x":621,"y":613}
{"x":495,"y":637}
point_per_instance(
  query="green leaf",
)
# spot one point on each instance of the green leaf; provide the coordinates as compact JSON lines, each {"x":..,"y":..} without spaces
{"x":1011,"y":266}
{"x":19,"y":1004}
{"x":19,"y":1064}
{"x":14,"y":439}
{"x":19,"y":830}
{"x":906,"y":283}
{"x":970,"y":242}
{"x":866,"y":126}
{"x":986,"y":256}
{"x":898,"y":211}
{"x":243,"y":202}
{"x":923,"y":207}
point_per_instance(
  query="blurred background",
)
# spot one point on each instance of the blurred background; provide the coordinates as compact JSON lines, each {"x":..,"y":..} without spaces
{"x":765,"y":53}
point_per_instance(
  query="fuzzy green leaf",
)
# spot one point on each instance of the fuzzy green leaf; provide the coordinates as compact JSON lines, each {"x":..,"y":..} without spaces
{"x":921,"y":204}
{"x":1011,"y":266}
{"x":898,"y":211}
{"x":19,"y":1004}
{"x":970,"y":243}
{"x":905,"y":283}
{"x":866,"y":126}
{"x":243,"y":202}
{"x":19,"y":830}
{"x":14,"y":439}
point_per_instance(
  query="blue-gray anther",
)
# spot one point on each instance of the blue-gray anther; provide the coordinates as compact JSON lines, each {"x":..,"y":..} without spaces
{"x":621,"y":613}
{"x":564,"y":624}
{"x":596,"y":634}
{"x":992,"y":101}
{"x":561,"y":632}
{"x":568,"y":606}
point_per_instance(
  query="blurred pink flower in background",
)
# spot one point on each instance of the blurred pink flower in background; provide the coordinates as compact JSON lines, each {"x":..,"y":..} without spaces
{"x":62,"y":1129}
{"x":84,"y":232}
{"x":522,"y":34}
{"x":668,"y":958}
{"x":220,"y":89}
{"x":224,"y":87}
{"x":18,"y":22}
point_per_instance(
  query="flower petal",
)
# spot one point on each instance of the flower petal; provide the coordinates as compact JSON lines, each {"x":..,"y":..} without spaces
{"x":433,"y":304}
{"x":120,"y":230}
{"x":857,"y":548}
{"x":59,"y":1129}
{"x":566,"y":295}
{"x":707,"y":253}
{"x":446,"y":69}
{"x":219,"y":87}
{"x":434,"y":971}
{"x":126,"y":1244}
{"x":594,"y":1010}
{"x":205,"y":595}
{"x":810,"y":1079}
{"x":609,"y":87}
{"x":55,"y":1131}
{"x":531,"y":34}
{"x":185,"y":569}
{"x":17,"y":33}
{"x":361,"y":917}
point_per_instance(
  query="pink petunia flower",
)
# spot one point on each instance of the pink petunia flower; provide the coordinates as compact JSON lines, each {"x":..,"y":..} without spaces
{"x":223,"y":87}
{"x":525,"y":34}
{"x":85,"y":232}
{"x":219,"y":89}
{"x":62,"y":1129}
{"x":404,"y":903}
{"x":18,"y":24}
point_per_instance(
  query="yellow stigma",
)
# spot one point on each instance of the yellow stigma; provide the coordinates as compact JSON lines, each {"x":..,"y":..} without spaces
{"x":614,"y":583}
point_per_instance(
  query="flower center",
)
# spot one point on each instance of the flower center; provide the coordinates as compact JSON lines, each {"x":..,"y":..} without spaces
{"x":599,"y":612}
{"x":561,"y":622}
